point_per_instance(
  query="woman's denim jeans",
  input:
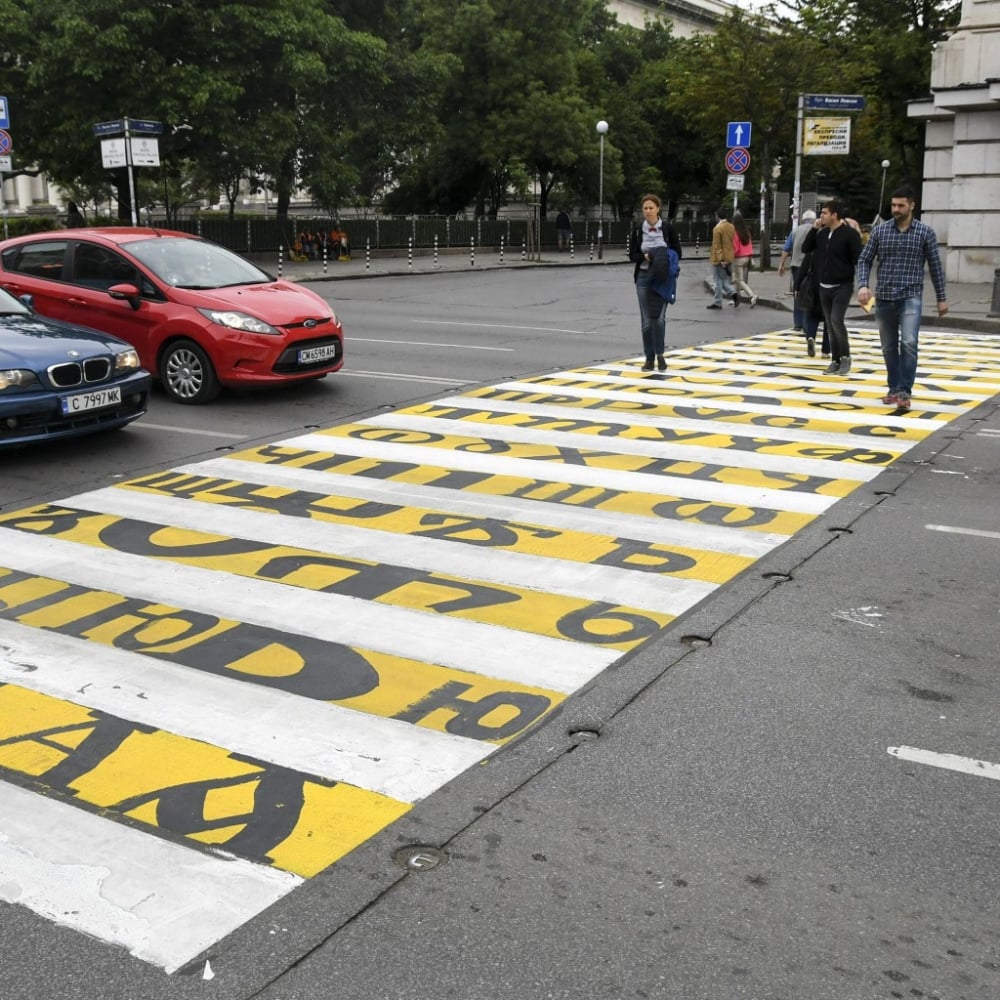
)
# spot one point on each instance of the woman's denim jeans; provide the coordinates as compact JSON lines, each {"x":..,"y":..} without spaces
{"x":654,"y":323}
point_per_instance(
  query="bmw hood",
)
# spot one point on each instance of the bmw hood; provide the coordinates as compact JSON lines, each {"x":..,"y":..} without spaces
{"x":30,"y":341}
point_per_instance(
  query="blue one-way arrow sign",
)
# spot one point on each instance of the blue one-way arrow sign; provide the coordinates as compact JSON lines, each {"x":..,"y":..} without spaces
{"x":738,"y":134}
{"x":4,"y":114}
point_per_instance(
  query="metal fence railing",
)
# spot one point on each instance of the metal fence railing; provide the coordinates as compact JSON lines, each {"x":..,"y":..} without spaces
{"x":256,"y":234}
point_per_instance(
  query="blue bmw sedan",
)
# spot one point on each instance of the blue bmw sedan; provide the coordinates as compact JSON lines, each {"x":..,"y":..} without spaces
{"x":58,"y":380}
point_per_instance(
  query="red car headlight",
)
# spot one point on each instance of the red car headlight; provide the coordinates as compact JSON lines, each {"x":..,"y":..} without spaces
{"x":240,"y":321}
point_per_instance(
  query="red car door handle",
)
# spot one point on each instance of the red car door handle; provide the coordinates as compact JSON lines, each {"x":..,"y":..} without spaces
{"x":77,"y":302}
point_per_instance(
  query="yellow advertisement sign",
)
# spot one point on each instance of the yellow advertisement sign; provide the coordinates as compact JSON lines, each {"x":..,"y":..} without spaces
{"x":826,"y":136}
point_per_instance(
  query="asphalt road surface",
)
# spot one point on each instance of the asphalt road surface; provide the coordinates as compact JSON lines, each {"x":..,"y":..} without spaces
{"x":494,"y":667}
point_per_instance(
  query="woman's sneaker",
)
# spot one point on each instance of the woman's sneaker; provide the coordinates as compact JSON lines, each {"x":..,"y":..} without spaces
{"x":845,"y":366}
{"x":832,"y":368}
{"x":902,"y":401}
{"x":891,"y":398}
{"x":811,"y":346}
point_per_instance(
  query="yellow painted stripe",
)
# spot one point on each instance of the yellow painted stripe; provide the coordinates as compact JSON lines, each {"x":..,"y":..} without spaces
{"x":485,"y":484}
{"x":690,"y":407}
{"x":423,"y":694}
{"x":268,"y":814}
{"x":593,"y":459}
{"x":611,"y":431}
{"x":529,"y":539}
{"x":617,"y":627}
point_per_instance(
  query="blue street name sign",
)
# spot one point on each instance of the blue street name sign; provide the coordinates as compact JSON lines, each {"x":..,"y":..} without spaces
{"x":4,"y":114}
{"x":833,"y":102}
{"x":147,"y":127}
{"x":738,"y":134}
{"x":109,"y":128}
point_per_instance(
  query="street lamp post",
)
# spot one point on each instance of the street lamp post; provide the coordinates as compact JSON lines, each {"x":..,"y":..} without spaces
{"x":881,"y":194}
{"x":602,"y":131}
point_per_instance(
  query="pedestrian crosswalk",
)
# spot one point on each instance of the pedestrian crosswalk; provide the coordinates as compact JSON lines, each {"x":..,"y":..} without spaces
{"x":218,"y":679}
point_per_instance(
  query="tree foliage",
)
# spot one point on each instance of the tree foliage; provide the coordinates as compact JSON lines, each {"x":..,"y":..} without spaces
{"x":433,"y":105}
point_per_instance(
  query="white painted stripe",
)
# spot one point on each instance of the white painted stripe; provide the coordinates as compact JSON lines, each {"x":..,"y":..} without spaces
{"x":952,"y":529}
{"x":498,"y":326}
{"x":565,"y":516}
{"x":404,"y":377}
{"x":662,"y":485}
{"x":988,"y":432}
{"x":422,"y":343}
{"x":732,"y":458}
{"x":163,"y":902}
{"x":170,"y":428}
{"x":647,"y":591}
{"x":685,"y":397}
{"x":949,"y":761}
{"x":490,"y":650}
{"x":392,"y":758}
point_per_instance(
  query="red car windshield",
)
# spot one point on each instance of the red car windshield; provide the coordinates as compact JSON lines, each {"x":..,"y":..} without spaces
{"x":185,"y":263}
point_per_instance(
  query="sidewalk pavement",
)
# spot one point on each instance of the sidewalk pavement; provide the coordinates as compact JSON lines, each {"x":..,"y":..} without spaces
{"x":968,"y":304}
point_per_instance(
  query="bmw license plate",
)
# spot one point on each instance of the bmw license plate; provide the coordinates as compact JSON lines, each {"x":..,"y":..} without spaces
{"x":310,"y":355}
{"x":94,"y":400}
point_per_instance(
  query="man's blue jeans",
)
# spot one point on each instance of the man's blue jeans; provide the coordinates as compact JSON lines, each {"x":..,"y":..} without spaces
{"x":899,"y":330}
{"x":723,"y":283}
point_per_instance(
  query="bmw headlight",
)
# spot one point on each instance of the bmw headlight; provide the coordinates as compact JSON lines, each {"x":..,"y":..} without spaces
{"x":16,"y":377}
{"x":126,"y":361}
{"x":239,"y":321}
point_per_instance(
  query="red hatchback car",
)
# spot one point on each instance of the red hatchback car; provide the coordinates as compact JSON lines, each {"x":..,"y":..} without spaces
{"x":200,"y":316}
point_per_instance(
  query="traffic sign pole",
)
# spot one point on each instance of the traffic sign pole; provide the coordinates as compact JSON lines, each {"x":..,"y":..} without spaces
{"x":4,"y":124}
{"x":131,"y":173}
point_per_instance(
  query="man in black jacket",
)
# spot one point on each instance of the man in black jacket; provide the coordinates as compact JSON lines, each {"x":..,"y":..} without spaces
{"x":836,"y":246}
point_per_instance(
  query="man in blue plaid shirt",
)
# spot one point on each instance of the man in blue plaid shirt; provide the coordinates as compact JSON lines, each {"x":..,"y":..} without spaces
{"x":902,"y":246}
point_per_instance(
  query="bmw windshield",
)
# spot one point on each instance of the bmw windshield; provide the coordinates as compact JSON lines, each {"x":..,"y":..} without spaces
{"x":185,"y":263}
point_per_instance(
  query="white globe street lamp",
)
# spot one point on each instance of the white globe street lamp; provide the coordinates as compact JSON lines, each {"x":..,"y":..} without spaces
{"x":881,"y":194}
{"x":602,"y":131}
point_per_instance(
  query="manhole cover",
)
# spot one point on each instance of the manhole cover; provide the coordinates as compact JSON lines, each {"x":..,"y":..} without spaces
{"x":419,"y":857}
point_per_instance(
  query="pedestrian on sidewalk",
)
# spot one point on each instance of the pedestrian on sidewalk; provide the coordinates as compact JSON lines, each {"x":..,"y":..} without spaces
{"x":792,"y":252}
{"x":837,"y":247}
{"x":901,"y":245}
{"x":646,"y":237}
{"x":742,"y":256}
{"x":721,"y":258}
{"x":564,"y":230}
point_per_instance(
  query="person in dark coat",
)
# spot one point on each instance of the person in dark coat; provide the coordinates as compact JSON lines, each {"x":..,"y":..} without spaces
{"x":644,"y":239}
{"x":837,"y":246}
{"x":74,"y":217}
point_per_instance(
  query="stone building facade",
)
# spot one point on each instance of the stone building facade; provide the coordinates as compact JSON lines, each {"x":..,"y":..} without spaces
{"x":961,"y":190}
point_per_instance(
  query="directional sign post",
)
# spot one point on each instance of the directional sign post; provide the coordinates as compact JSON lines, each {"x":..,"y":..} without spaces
{"x":117,"y":153}
{"x":836,"y":138}
{"x":738,"y":134}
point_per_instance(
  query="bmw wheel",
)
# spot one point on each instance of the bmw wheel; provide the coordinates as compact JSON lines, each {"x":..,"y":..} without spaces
{"x":187,"y":374}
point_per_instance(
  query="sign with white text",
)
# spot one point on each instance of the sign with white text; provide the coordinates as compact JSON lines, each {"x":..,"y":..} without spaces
{"x":826,"y":137}
{"x":113,"y":153}
{"x":734,"y":182}
{"x":145,"y":152}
